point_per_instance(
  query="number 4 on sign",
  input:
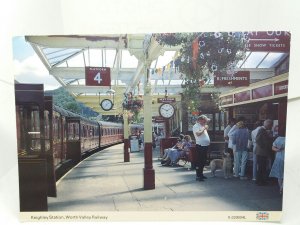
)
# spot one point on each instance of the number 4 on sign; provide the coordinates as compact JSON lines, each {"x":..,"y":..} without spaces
{"x":98,"y":78}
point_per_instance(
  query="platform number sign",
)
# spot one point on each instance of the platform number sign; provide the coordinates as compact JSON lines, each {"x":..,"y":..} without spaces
{"x":97,"y":76}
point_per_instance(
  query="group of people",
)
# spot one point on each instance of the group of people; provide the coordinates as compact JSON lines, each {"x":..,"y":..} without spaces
{"x":180,"y":149}
{"x":239,"y":140}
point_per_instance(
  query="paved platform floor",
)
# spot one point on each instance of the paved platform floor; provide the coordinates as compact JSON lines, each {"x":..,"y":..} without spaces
{"x":103,"y":182}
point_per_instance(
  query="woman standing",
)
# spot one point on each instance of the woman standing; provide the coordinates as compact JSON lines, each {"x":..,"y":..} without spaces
{"x":240,"y":139}
{"x":278,"y":165}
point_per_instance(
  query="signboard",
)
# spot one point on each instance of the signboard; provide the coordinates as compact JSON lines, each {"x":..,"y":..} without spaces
{"x":134,"y":144}
{"x":281,"y":87}
{"x":269,"y":41}
{"x":242,"y":96}
{"x":166,"y":100}
{"x":262,"y":92}
{"x":158,"y":119}
{"x":97,"y":76}
{"x":238,"y":79}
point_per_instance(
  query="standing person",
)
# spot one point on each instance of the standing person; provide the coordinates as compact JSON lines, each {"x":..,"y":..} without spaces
{"x":230,"y":141}
{"x":278,"y":165}
{"x":257,"y":126}
{"x":263,"y":151}
{"x":240,"y":139}
{"x":154,"y":138}
{"x":202,"y":143}
{"x":226,"y":138}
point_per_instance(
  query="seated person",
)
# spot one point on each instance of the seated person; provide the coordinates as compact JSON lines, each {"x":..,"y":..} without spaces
{"x":177,"y":145}
{"x":174,"y":154}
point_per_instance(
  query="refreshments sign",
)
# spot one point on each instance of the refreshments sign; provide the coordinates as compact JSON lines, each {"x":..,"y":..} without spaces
{"x":97,"y":76}
{"x":238,"y":79}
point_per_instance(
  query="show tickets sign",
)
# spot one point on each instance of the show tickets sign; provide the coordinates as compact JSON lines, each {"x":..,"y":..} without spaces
{"x":238,"y":79}
{"x":97,"y":76}
{"x":268,"y":41}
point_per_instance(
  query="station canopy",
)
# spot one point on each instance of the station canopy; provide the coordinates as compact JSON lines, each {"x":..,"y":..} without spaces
{"x":66,"y":58}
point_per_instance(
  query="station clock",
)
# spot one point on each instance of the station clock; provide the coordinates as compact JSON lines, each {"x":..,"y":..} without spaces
{"x":106,"y":104}
{"x":166,"y":110}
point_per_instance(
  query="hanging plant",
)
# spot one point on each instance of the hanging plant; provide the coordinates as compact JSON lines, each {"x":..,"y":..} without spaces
{"x":134,"y":104}
{"x":201,"y":55}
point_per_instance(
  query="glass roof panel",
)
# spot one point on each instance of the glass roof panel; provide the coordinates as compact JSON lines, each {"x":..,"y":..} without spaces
{"x":241,"y":61}
{"x":271,"y":59}
{"x":254,"y":59}
{"x":55,"y":55}
{"x":127,"y":60}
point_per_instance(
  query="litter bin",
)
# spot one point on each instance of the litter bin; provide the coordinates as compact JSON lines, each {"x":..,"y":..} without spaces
{"x":134,"y":143}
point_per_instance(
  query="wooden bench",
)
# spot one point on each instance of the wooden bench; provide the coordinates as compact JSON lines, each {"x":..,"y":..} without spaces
{"x":215,"y":151}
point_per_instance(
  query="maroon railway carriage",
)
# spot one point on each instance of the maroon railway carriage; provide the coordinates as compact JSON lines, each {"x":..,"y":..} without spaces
{"x":32,"y":162}
{"x":111,"y":133}
{"x":48,"y":138}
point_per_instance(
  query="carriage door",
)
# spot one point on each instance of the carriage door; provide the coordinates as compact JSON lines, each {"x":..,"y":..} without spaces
{"x":48,"y":121}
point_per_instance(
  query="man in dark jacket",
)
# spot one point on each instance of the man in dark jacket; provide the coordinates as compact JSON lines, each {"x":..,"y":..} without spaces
{"x":264,"y":142}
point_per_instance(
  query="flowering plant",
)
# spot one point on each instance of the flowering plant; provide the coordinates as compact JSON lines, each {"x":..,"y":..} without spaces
{"x":201,"y":55}
{"x":134,"y":104}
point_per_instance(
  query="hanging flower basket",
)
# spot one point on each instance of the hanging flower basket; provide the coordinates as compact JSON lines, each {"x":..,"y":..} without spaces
{"x":134,"y":105}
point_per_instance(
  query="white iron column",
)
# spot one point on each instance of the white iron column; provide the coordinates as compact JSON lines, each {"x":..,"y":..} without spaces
{"x":126,"y":137}
{"x":149,"y":173}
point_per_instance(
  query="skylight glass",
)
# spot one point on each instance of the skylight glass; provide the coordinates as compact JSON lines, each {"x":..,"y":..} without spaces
{"x":271,"y":59}
{"x":254,"y":59}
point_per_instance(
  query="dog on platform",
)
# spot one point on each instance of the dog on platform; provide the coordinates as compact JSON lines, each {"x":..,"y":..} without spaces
{"x":225,"y":164}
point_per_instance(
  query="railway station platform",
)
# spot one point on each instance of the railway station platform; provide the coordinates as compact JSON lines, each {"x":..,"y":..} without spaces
{"x":103,"y":182}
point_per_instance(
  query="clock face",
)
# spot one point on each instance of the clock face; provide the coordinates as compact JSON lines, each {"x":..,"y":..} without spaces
{"x":106,"y":104}
{"x":166,"y":110}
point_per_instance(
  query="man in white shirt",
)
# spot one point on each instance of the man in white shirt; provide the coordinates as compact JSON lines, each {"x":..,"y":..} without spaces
{"x":202,"y":143}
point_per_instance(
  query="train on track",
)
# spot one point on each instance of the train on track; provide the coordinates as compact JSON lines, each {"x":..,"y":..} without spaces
{"x":49,"y":138}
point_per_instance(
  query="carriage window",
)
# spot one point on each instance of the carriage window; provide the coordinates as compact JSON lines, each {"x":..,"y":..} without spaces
{"x":83,"y":131}
{"x":56,"y":128}
{"x":91,"y":131}
{"x":222,"y":120}
{"x":28,"y":129}
{"x":47,"y":130}
{"x":64,"y":127}
{"x":73,"y":130}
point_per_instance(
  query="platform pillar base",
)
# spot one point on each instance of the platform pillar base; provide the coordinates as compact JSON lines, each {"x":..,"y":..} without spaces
{"x":126,"y":152}
{"x":149,"y":179}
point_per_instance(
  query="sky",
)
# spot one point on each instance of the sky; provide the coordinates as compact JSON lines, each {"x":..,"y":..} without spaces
{"x":28,"y":68}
